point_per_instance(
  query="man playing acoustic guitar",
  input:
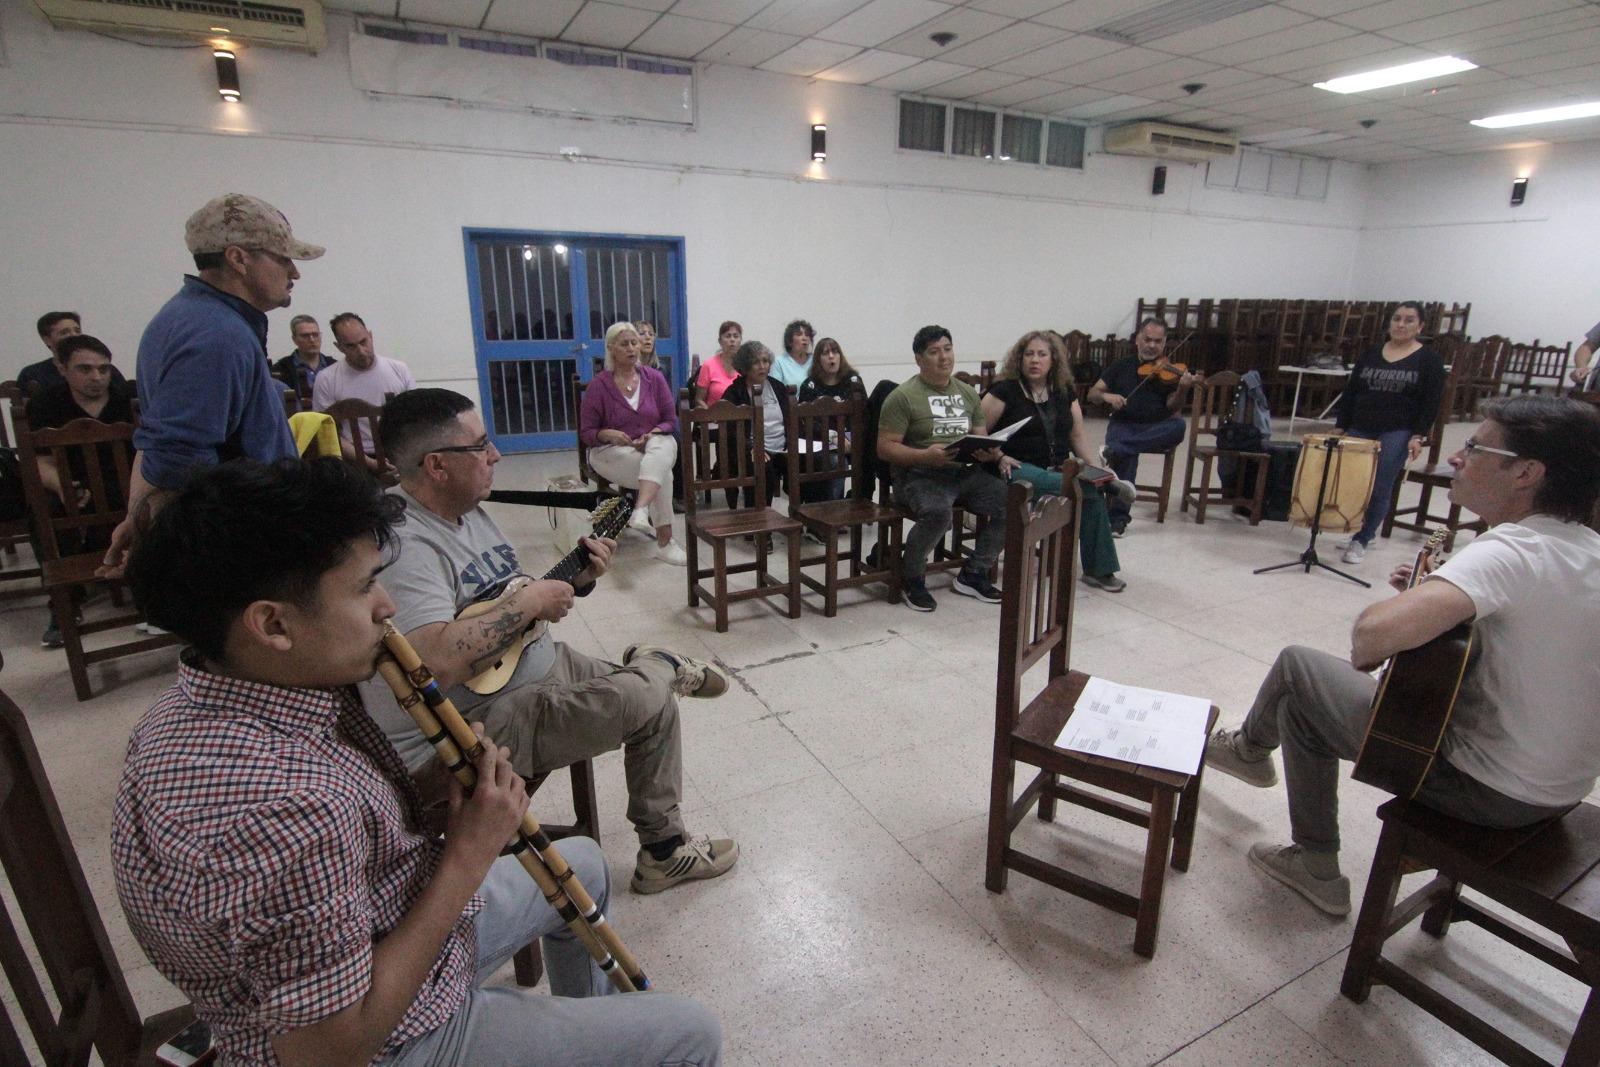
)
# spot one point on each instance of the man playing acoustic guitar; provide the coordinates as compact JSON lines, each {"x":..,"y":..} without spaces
{"x":1523,"y":742}
{"x":558,"y":705}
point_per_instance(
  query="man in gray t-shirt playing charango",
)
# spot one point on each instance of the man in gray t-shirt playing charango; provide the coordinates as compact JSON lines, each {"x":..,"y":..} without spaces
{"x":559,"y":706}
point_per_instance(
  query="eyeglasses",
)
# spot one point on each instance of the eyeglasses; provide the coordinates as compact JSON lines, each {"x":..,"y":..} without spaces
{"x":1472,"y":446}
{"x":481,"y":446}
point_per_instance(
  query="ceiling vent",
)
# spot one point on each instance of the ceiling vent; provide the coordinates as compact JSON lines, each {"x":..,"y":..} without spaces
{"x":293,"y":24}
{"x":1168,"y":142}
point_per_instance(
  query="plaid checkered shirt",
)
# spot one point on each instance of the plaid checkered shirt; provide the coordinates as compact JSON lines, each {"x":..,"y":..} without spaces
{"x":264,"y":840}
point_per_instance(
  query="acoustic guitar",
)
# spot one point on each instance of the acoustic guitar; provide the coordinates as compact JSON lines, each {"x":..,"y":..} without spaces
{"x":608,"y":519}
{"x":1414,"y":700}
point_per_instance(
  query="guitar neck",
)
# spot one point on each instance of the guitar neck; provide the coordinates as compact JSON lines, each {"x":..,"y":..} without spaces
{"x":571,"y":565}
{"x":609,"y":521}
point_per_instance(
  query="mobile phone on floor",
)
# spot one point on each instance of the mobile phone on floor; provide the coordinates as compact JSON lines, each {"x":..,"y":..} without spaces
{"x":190,"y":1047}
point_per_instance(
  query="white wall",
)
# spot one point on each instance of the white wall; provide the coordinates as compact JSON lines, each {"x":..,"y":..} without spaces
{"x":106,"y":146}
{"x":1446,"y":230}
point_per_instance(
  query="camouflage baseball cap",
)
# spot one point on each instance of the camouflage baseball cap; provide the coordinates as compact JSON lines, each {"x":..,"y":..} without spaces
{"x":246,"y":221}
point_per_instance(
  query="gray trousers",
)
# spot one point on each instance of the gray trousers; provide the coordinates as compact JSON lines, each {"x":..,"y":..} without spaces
{"x":584,"y":707}
{"x":930,"y":492}
{"x":1316,"y":707}
{"x":579,"y":1024}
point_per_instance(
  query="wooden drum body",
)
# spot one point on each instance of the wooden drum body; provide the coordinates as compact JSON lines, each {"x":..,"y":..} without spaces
{"x":1354,"y":468}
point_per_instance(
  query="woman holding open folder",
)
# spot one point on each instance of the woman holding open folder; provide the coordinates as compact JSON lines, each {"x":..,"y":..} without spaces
{"x":1036,"y":384}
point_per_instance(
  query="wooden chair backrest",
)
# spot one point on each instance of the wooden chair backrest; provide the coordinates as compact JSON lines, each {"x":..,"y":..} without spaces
{"x":10,"y":394}
{"x":723,"y":451}
{"x":1212,"y":402}
{"x":358,"y":423}
{"x":99,"y":446}
{"x":1038,"y":587}
{"x":836,"y":430}
{"x":58,"y":914}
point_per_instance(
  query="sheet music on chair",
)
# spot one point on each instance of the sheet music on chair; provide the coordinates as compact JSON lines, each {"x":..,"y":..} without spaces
{"x":1143,"y":726}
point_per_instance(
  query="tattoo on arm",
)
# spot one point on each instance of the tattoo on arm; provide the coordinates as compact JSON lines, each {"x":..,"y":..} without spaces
{"x":498,"y":632}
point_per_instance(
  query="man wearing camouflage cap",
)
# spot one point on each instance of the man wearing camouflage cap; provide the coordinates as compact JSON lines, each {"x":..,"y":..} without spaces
{"x":206,"y":394}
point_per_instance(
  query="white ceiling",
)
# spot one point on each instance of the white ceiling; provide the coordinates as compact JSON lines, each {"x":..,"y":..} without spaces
{"x":1036,"y":56}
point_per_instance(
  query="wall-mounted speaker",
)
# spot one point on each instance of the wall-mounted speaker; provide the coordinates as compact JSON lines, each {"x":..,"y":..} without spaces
{"x":1158,"y":184}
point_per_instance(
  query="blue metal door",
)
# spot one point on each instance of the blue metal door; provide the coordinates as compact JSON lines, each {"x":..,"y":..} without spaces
{"x":541,"y":303}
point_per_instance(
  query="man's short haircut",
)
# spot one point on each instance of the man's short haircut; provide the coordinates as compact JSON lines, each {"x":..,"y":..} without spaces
{"x":204,"y":261}
{"x":342,"y":318}
{"x":299,"y":321}
{"x":927,"y":336}
{"x":747,"y":354}
{"x":247,"y":531}
{"x":1152,"y":321}
{"x":1564,"y":435}
{"x":416,"y":422}
{"x":791,"y":331}
{"x":49,"y":319}
{"x":77,"y":342}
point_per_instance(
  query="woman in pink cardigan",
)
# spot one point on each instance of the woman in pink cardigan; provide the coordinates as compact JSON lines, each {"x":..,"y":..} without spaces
{"x":628,"y":422}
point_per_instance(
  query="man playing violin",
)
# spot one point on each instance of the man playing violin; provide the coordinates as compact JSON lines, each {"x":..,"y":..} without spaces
{"x":558,"y":706}
{"x":1523,"y":742}
{"x":1145,"y":393}
{"x":268,"y":844}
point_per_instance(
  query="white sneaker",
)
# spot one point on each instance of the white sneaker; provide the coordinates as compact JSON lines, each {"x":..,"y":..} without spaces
{"x":1124,"y":491}
{"x":672,"y":553}
{"x":1344,"y":543}
{"x":1356,"y":553}
{"x":640,"y":520}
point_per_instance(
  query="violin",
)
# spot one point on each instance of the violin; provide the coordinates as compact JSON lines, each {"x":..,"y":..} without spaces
{"x":1163,"y":371}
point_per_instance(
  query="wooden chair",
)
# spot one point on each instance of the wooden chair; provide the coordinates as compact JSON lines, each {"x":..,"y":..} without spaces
{"x":1548,"y":874}
{"x":1035,"y":622}
{"x":733,"y":434}
{"x":92,"y":1007}
{"x":585,"y":472}
{"x":64,"y":526}
{"x":834,"y":434}
{"x":358,"y":423}
{"x":1432,"y":474}
{"x":1158,"y":493}
{"x":15,"y":533}
{"x":1213,"y":403}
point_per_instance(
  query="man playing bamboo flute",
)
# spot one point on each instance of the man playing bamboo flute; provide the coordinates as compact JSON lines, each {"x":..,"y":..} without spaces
{"x":267,"y":842}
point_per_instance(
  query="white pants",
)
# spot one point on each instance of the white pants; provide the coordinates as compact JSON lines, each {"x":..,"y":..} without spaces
{"x":627,"y":466}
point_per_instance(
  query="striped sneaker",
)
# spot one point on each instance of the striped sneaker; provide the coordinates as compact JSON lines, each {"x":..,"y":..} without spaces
{"x":698,"y":857}
{"x":695,"y":677}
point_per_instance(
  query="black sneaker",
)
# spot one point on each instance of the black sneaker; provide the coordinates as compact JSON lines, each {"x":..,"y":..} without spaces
{"x":915,"y":590}
{"x":52,"y":637}
{"x":1119,"y":526}
{"x":977,"y":586}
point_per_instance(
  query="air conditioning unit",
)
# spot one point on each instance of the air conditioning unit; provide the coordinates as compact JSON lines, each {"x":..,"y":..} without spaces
{"x":293,"y":24}
{"x":1168,"y":142}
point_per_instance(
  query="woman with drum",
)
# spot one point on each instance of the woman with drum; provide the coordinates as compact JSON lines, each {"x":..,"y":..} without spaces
{"x":1392,"y":398}
{"x":1036,"y":382}
{"x":628,"y":421}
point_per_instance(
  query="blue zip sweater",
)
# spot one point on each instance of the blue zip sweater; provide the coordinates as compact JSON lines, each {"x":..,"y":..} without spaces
{"x":206,"y":394}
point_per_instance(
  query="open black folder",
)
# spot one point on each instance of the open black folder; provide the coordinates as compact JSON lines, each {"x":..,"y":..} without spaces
{"x":964,"y":449}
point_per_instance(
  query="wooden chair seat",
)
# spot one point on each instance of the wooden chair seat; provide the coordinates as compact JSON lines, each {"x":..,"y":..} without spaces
{"x":1548,"y":873}
{"x":1036,"y":621}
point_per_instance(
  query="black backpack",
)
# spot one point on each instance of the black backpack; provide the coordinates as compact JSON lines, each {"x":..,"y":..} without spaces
{"x":13,"y":502}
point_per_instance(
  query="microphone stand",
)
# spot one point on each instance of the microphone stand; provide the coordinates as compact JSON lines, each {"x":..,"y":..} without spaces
{"x":1308,"y":558}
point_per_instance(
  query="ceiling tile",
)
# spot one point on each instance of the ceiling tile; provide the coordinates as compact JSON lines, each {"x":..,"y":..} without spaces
{"x":917,"y":78}
{"x":657,"y":6}
{"x":545,"y":20}
{"x":608,"y":25}
{"x":1168,"y":76}
{"x":1397,"y":12}
{"x":1261,"y":21}
{"x":1481,"y":16}
{"x":1111,"y":105}
{"x":1055,"y":103}
{"x":1013,"y":42}
{"x":1352,"y":55}
{"x":1117,"y":63}
{"x":1017,"y":9}
{"x":1083,"y":15}
{"x":745,"y":47}
{"x":968,"y":26}
{"x":1303,"y":36}
{"x":1060,"y":56}
{"x":679,"y":37}
{"x":881,"y":20}
{"x":1018,"y":95}
{"x":810,"y":56}
{"x":803,"y":17}
{"x":468,"y":13}
{"x":868,"y":66}
{"x":389,"y":8}
{"x":733,"y":12}
{"x":1323,"y":8}
{"x":970,"y":85}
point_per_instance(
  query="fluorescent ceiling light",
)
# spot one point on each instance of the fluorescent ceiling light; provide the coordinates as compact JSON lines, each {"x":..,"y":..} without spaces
{"x":1549,"y":114}
{"x":1406,"y":72}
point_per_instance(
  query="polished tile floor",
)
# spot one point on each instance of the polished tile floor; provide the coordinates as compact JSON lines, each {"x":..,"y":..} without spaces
{"x":851,"y":761}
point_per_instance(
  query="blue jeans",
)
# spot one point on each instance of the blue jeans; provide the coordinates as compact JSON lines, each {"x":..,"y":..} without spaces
{"x":579,"y":1023}
{"x":1125,"y":441}
{"x":1392,"y":456}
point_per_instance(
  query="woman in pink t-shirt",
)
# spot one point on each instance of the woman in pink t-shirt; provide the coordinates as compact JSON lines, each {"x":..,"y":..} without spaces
{"x":717,"y":373}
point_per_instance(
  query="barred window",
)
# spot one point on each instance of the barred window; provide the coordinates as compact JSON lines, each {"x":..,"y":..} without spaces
{"x":1066,"y":146}
{"x":972,"y":133}
{"x":1020,"y":137}
{"x":922,"y":126}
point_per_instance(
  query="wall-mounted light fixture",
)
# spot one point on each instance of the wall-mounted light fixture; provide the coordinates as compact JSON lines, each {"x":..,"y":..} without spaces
{"x":819,"y":143}
{"x":1519,"y":192}
{"x":227,"y":75}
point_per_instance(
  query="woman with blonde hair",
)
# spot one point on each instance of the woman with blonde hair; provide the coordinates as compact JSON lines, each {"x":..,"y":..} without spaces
{"x":628,"y":422}
{"x":1036,"y":384}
